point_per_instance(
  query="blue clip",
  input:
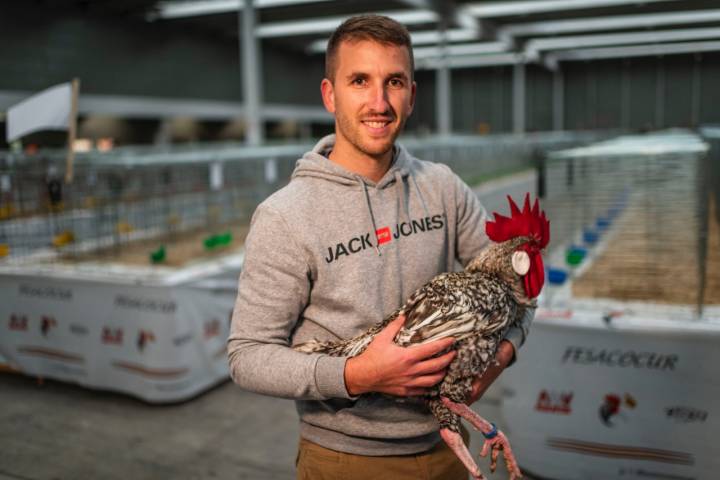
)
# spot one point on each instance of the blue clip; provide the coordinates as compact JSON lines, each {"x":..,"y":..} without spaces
{"x":491,"y":434}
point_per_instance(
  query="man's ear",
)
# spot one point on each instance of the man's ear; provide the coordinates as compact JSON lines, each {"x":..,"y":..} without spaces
{"x":328,"y":95}
{"x":413,"y":91}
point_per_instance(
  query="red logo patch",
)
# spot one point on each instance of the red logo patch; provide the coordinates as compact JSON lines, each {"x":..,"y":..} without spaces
{"x":383,"y":235}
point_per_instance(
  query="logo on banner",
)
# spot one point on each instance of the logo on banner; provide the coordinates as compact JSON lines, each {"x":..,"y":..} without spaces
{"x":619,"y":358}
{"x":47,"y":324}
{"x":144,"y":337}
{"x":146,"y":304}
{"x":554,"y":402}
{"x":112,"y":336}
{"x":77,"y":329}
{"x":18,"y":323}
{"x":177,"y":341}
{"x":212,"y":328}
{"x":686,"y":414}
{"x":51,"y":293}
{"x":614,"y":406}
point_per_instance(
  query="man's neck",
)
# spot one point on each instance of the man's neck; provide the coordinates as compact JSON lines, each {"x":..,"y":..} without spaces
{"x":368,"y":166}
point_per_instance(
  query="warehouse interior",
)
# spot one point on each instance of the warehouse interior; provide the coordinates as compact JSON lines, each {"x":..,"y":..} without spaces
{"x":122,"y":230}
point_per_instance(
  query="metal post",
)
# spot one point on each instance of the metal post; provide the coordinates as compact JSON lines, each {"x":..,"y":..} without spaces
{"x":519,"y":98}
{"x":558,"y":100}
{"x":251,"y":71}
{"x":696,"y":85}
{"x":660,"y":94}
{"x":443,"y":104}
{"x":625,"y":96}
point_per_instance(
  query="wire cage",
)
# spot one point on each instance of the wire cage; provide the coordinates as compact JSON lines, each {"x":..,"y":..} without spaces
{"x":141,"y":206}
{"x":635,"y":227}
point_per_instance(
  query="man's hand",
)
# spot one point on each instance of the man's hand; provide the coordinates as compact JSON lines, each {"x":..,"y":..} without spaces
{"x":388,"y":368}
{"x":504,"y":356}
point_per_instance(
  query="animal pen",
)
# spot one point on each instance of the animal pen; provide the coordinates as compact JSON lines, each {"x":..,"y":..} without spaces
{"x":125,"y":279}
{"x":617,"y":379}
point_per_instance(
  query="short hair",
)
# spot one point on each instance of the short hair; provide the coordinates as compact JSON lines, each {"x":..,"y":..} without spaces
{"x":367,"y":27}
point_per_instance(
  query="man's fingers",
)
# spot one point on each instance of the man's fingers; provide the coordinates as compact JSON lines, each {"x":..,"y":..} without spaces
{"x":392,"y":328}
{"x":432,"y":348}
{"x":427,"y":380}
{"x":434,"y":364}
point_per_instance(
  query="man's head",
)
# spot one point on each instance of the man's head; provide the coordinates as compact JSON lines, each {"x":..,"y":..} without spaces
{"x":369,"y":83}
{"x":375,"y":28}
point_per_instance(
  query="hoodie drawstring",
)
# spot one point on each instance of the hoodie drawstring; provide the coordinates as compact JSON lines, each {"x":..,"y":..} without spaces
{"x":401,"y":193}
{"x":372,"y":216}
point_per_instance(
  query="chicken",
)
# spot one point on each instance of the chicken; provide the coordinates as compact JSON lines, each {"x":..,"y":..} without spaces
{"x":476,"y":307}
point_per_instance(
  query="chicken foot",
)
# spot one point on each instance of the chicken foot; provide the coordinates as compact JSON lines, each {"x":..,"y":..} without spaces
{"x":497,"y":444}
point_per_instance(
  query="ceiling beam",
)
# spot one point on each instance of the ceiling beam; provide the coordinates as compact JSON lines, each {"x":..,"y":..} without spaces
{"x":535,"y":46}
{"x":503,"y":9}
{"x":615,"y":22}
{"x":633,"y":51}
{"x":328,"y":24}
{"x":168,"y":9}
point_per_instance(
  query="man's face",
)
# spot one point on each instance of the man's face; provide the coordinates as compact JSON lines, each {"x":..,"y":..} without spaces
{"x":372,"y":95}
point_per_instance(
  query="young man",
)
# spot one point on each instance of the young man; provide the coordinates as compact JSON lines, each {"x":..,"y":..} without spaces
{"x":361,"y":225}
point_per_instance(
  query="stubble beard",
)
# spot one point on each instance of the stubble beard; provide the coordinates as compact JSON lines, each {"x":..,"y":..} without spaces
{"x":351,"y":131}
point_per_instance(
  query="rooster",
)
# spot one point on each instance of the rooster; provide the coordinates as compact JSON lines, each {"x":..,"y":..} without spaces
{"x":476,"y":307}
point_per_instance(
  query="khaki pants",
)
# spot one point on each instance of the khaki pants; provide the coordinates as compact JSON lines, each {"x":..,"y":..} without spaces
{"x":318,"y":463}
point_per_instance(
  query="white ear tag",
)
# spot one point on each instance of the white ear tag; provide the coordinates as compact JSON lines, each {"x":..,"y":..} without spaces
{"x":521,"y":262}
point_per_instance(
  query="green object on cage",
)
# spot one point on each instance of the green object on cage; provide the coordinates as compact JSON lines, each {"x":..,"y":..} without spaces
{"x":219,"y":240}
{"x":574,"y":257}
{"x":159,"y":255}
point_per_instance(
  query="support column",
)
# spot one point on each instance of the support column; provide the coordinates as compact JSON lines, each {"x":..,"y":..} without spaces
{"x":696,"y":86}
{"x":625,"y":96}
{"x":443,"y":101}
{"x":660,"y":95}
{"x":519,"y":98}
{"x":251,"y":72}
{"x":558,"y":99}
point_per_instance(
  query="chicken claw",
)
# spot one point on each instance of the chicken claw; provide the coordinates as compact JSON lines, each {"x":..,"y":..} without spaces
{"x":495,"y":445}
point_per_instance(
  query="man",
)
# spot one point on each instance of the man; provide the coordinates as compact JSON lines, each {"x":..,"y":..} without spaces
{"x":361,"y":225}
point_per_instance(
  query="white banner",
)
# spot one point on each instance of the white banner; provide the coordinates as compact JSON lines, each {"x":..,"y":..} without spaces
{"x":47,"y":110}
{"x":159,"y":343}
{"x":633,"y":399}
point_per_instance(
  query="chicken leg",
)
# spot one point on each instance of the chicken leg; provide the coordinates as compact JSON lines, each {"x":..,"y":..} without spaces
{"x":497,"y":444}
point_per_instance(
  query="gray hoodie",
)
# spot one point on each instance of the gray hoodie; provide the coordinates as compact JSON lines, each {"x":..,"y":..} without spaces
{"x":314,"y":269}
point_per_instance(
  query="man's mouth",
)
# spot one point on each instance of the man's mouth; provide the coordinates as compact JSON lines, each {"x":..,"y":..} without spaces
{"x":376,"y":123}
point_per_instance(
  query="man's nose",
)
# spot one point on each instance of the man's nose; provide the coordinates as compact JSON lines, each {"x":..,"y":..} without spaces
{"x":378,"y":101}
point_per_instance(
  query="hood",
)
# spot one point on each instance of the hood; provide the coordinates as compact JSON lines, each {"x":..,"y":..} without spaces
{"x":316,"y":163}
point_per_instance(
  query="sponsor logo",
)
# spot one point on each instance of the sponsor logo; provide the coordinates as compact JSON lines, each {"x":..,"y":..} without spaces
{"x":211,"y":328}
{"x":19,"y":323}
{"x":182,"y":339}
{"x":614,"y":406}
{"x":620,"y":358}
{"x":47,"y":324}
{"x":554,"y":402}
{"x":137,"y":303}
{"x":144,"y":337}
{"x":686,"y":414}
{"x":78,"y":329}
{"x":384,"y":235}
{"x":53,"y":293}
{"x":112,"y":336}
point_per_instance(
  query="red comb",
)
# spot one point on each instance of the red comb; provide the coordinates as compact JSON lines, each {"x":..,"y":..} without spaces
{"x":530,"y":222}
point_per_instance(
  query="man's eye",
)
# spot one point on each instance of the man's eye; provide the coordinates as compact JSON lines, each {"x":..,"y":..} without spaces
{"x":358,"y":81}
{"x":396,"y":82}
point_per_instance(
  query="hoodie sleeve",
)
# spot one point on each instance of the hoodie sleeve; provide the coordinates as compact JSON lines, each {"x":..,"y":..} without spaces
{"x":273,"y":291}
{"x":471,"y":239}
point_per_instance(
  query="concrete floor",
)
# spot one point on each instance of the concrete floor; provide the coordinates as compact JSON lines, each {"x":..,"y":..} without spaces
{"x":58,"y":431}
